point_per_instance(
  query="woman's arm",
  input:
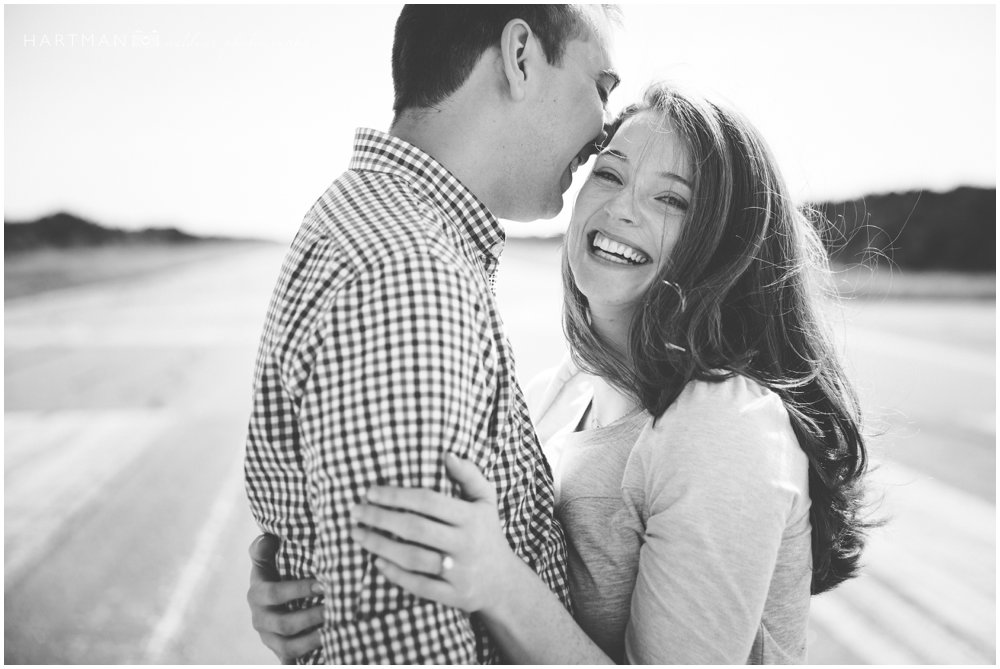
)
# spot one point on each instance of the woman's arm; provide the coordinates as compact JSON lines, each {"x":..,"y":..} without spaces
{"x":721,"y":477}
{"x":453,"y":552}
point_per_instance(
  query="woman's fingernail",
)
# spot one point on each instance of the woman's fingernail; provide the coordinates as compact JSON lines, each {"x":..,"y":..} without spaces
{"x":317,"y":589}
{"x":374,"y":495}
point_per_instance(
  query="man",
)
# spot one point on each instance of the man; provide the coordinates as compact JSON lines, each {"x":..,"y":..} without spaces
{"x":383,"y":348}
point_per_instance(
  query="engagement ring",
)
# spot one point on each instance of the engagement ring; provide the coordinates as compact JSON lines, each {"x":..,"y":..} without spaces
{"x":446,"y":564}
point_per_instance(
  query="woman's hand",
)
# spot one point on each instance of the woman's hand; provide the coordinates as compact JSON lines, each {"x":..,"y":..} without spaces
{"x":289,"y":634}
{"x":447,"y":550}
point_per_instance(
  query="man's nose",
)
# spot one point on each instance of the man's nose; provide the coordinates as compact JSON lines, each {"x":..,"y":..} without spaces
{"x":594,"y":147}
{"x":602,"y":137}
{"x":605,"y":133}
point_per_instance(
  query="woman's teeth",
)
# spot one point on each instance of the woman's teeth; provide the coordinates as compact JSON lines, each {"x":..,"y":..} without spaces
{"x":617,"y":252}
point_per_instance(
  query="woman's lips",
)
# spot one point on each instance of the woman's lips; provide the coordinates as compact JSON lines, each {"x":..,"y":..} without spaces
{"x":616,"y":251}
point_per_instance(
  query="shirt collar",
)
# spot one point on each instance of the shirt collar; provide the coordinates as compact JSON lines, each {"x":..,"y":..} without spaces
{"x":376,"y":151}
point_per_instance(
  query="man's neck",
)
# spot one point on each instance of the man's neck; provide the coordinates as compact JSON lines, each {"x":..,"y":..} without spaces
{"x":439,"y":134}
{"x":455,"y":137}
{"x":467,"y":133}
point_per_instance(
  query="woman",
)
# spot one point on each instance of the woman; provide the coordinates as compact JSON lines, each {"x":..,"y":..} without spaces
{"x":705,"y":441}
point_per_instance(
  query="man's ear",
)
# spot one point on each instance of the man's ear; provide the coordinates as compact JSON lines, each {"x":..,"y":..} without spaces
{"x":517,"y":46}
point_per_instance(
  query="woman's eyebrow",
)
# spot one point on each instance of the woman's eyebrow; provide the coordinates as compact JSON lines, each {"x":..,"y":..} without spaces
{"x":615,"y":154}
{"x":676,"y":177}
{"x":611,"y":153}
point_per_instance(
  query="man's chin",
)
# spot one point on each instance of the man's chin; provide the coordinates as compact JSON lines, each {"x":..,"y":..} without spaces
{"x":543,"y":212}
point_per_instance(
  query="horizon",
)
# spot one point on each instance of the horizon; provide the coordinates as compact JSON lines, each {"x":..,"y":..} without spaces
{"x":505,"y":223}
{"x":190,"y":113}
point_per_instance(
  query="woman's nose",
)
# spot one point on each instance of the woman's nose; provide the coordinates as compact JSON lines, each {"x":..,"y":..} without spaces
{"x":619,"y":207}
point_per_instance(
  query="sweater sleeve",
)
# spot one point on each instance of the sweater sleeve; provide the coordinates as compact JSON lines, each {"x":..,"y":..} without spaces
{"x":717,"y":480}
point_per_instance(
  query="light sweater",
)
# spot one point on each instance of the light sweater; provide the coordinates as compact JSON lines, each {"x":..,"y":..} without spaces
{"x":689,"y":540}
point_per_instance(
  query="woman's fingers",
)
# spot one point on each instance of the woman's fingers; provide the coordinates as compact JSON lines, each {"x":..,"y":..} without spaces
{"x":408,"y":556}
{"x":475,"y":486}
{"x":419,"y":584}
{"x":430,"y":503}
{"x":405,"y":525}
{"x":410,"y":530}
{"x":438,"y":505}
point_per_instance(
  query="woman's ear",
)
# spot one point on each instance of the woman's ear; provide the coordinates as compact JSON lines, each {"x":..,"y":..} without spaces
{"x":517,"y":46}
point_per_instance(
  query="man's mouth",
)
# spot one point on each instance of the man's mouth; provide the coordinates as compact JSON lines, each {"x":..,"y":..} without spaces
{"x":616,"y":252}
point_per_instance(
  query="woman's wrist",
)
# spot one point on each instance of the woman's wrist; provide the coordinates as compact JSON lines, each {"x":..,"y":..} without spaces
{"x":512,"y":581}
{"x":531,"y":625}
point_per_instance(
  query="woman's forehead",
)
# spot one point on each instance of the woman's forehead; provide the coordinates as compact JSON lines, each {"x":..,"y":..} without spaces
{"x":651,"y":141}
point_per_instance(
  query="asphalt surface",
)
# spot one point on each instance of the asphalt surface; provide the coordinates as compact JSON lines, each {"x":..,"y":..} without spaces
{"x":126,"y":526}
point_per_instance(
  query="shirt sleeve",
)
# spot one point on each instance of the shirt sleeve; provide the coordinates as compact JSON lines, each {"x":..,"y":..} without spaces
{"x":404,"y":371}
{"x":719,"y":475}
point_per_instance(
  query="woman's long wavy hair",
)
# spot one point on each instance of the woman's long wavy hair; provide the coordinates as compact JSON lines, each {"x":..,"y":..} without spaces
{"x":740,"y":294}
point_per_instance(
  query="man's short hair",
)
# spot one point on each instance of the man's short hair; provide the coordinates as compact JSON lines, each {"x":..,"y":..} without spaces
{"x":437,"y":46}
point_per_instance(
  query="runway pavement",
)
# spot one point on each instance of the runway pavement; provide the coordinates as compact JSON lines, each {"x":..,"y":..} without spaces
{"x":126,"y":525}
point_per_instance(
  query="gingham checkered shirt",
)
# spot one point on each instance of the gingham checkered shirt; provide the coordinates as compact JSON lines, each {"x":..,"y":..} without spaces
{"x":383,"y":349}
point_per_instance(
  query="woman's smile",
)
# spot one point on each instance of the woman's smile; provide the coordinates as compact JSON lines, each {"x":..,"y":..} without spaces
{"x":605,"y":248}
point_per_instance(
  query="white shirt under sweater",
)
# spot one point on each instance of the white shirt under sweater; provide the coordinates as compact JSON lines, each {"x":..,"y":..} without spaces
{"x":689,"y":541}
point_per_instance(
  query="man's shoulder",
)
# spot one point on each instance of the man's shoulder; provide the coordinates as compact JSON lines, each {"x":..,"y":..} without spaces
{"x":369,"y":217}
{"x":365,"y":227}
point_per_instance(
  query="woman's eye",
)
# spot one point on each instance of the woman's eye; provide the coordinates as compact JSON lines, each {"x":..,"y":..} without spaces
{"x":674,"y":201}
{"x":608,"y":176}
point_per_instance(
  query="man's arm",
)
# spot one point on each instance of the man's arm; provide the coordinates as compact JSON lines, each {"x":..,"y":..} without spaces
{"x":403,"y":372}
{"x":288,"y":634}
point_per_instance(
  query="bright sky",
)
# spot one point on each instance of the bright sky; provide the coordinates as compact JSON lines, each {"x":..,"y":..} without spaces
{"x":233,"y":119}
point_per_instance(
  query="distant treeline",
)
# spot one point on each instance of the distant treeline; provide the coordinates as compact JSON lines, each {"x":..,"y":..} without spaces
{"x":918,"y":230}
{"x":64,"y":231}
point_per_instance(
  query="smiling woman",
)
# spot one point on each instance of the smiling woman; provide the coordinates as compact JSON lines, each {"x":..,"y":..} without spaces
{"x":630,"y":212}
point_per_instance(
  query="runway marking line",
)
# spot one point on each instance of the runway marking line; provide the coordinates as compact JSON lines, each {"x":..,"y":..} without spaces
{"x":194,"y":571}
